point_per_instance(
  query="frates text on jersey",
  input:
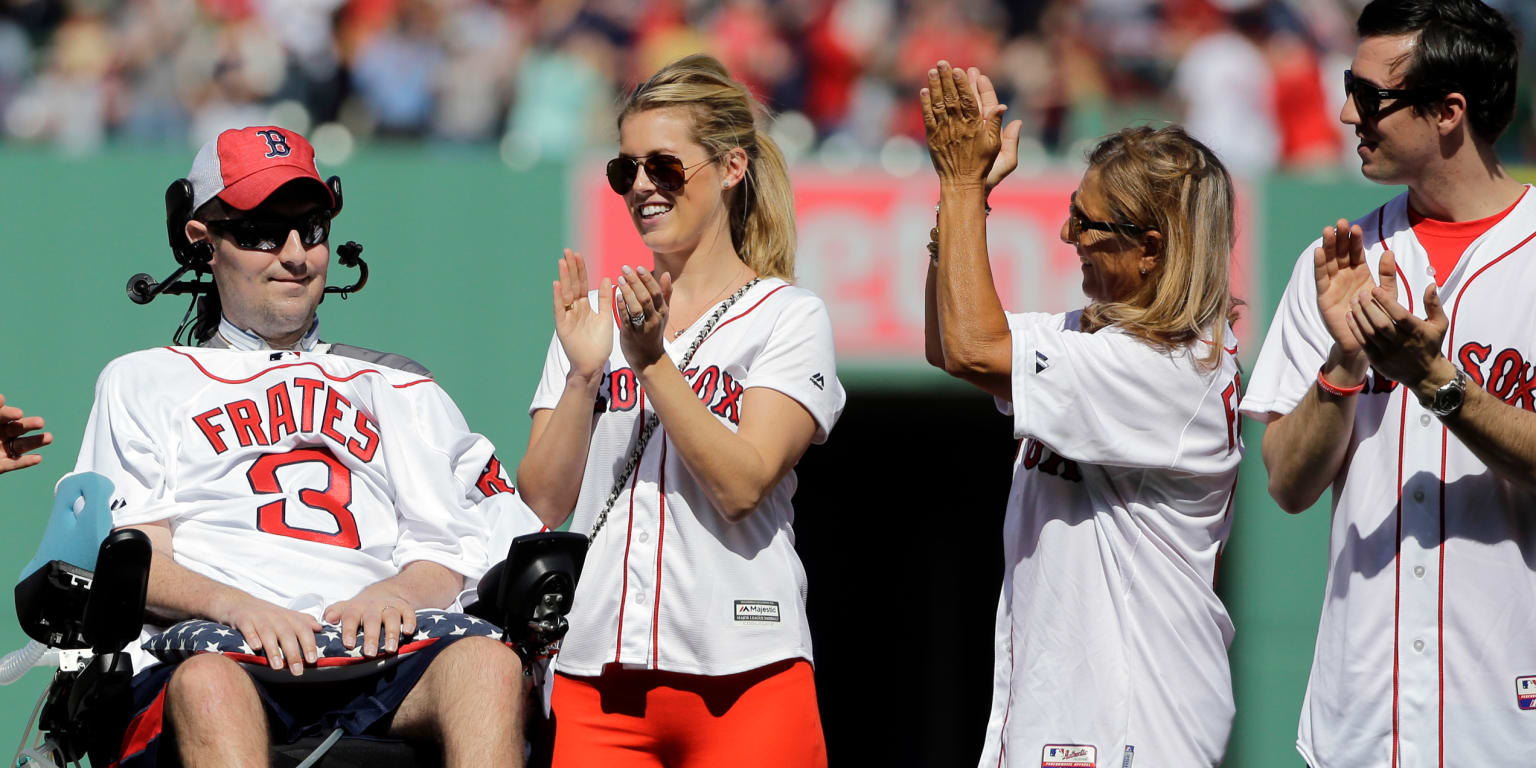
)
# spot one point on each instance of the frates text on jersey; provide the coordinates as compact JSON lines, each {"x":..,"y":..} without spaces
{"x":319,"y":409}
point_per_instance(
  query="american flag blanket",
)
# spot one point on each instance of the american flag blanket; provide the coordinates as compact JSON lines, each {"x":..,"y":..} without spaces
{"x":193,"y":636}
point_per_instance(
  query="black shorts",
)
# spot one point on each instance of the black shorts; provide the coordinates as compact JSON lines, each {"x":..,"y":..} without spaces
{"x":362,"y":706}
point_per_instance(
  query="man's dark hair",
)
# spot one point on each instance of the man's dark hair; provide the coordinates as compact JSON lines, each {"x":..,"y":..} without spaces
{"x":1464,"y":47}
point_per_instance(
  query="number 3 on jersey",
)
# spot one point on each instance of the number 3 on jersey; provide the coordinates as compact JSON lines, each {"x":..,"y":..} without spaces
{"x":272,"y":516}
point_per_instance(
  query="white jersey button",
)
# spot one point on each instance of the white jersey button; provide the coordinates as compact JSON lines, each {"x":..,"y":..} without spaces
{"x":1418,"y":646}
{"x":1424,"y":419}
{"x":1418,"y":570}
{"x":644,"y":537}
{"x":639,"y":598}
{"x":1429,"y":271}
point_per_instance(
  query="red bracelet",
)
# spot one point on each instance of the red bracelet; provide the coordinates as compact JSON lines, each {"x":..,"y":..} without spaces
{"x":1338,"y":391}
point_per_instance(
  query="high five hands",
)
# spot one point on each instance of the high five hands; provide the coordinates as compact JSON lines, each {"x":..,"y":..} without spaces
{"x":963,"y":121}
{"x":1362,"y":313}
{"x":17,"y":438}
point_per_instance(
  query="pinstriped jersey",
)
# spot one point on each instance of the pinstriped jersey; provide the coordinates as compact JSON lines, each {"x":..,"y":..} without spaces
{"x":668,"y":583}
{"x":1424,"y":652}
{"x":1111,"y":644}
{"x":300,"y":478}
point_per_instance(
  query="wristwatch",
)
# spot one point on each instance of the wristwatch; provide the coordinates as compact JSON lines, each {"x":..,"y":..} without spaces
{"x":1449,"y":397}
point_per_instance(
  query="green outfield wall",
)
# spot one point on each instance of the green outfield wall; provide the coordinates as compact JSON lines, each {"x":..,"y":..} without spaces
{"x":462,"y":251}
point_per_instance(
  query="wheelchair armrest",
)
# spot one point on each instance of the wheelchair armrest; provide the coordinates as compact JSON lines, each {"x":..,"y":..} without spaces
{"x":529,"y":593}
{"x":114,"y":614}
{"x":65,"y":606}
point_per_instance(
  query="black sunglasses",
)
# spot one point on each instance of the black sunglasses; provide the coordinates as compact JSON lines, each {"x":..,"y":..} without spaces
{"x":1368,"y":96}
{"x":665,"y":171}
{"x":1077,"y":222}
{"x":268,"y":233}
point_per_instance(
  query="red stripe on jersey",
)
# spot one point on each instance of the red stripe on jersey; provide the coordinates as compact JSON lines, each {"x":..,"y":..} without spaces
{"x":1002,"y":741}
{"x":1232,"y":350}
{"x":266,"y":371}
{"x":1450,"y":344}
{"x":618,"y":642}
{"x":740,"y":316}
{"x":1440,"y":607}
{"x":1397,"y":557}
{"x":1397,"y":567}
{"x":661,"y":536}
{"x":144,"y":728}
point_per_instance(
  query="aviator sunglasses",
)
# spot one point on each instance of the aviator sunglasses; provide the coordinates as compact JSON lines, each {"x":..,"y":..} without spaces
{"x":667,"y":172}
{"x":1368,"y":96}
{"x":1077,"y":222}
{"x":268,"y":233}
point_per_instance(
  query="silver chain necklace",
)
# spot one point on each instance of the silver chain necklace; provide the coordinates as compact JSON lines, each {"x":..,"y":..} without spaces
{"x":651,"y":421}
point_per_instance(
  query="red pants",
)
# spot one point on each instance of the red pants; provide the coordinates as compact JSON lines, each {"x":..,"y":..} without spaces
{"x":762,"y":718}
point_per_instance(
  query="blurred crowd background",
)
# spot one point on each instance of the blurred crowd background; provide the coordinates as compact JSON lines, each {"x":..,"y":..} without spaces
{"x":1261,"y":80}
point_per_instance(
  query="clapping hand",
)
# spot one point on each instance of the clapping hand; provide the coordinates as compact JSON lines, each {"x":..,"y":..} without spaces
{"x":1339,"y":268}
{"x":585,"y":335}
{"x":1402,"y":346}
{"x":643,"y":315}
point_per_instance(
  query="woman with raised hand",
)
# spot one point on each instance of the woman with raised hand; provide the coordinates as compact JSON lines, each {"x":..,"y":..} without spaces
{"x":1111,"y":641}
{"x":674,"y":449}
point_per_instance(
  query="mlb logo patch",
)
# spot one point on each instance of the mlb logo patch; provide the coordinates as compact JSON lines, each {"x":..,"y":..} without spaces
{"x":1525,"y":692}
{"x":1068,"y":756}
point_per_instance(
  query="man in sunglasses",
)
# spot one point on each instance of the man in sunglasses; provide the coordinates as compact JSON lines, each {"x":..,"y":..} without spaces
{"x":285,"y":482}
{"x":1399,"y":371}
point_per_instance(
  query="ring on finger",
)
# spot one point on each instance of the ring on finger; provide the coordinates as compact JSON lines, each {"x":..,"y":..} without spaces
{"x":637,"y":319}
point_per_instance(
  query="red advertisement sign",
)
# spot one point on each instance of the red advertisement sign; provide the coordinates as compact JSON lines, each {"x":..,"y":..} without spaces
{"x":863,"y":249}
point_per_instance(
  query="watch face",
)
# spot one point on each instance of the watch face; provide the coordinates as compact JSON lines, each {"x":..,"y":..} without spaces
{"x":1449,"y":397}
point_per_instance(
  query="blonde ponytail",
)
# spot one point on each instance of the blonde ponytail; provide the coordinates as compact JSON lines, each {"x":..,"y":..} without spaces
{"x":726,"y":116}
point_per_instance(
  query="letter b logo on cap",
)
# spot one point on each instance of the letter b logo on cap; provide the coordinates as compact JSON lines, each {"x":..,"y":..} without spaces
{"x":277,"y":143}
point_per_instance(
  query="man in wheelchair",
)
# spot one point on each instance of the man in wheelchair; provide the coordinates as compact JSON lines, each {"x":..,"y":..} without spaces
{"x":303,"y":500}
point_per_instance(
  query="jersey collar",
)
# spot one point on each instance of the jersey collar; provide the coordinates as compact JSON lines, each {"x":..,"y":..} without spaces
{"x":241,"y":339}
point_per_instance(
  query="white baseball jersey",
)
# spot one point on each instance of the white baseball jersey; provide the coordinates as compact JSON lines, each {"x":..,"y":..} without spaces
{"x":1426,"y":648}
{"x":300,"y":478}
{"x":1111,"y":642}
{"x":668,"y":583}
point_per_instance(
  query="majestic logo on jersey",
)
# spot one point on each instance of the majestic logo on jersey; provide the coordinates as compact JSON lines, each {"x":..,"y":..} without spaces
{"x":1038,"y":457}
{"x":277,"y":143}
{"x":1504,"y":374}
{"x":1525,"y":693}
{"x":818,"y":380}
{"x":1068,"y":756}
{"x":621,"y":391}
{"x":319,"y":409}
{"x":1041,"y":361}
{"x":757,"y":610}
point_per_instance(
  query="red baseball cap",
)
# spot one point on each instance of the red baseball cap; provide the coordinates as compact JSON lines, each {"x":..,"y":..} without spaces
{"x":244,"y":166}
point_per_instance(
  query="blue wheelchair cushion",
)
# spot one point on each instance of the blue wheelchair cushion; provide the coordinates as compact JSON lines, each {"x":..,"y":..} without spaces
{"x":194,"y":636}
{"x":70,"y":537}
